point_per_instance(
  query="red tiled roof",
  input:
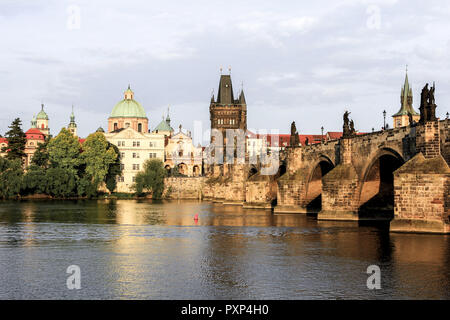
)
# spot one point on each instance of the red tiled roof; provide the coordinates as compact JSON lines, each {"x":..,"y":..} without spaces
{"x":334,"y":135}
{"x":3,"y":140}
{"x":35,"y":134}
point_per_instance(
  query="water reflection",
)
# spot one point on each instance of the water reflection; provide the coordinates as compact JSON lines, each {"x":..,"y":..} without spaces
{"x":156,"y":250}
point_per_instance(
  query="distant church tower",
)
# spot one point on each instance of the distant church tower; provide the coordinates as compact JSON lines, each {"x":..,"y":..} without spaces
{"x":401,"y":118}
{"x":42,"y":121}
{"x":72,"y":125}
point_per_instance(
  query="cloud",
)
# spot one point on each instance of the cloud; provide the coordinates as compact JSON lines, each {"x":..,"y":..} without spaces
{"x":303,"y":61}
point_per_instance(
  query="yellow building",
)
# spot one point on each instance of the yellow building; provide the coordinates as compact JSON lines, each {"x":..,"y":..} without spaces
{"x":406,"y":112}
{"x":128,"y":130}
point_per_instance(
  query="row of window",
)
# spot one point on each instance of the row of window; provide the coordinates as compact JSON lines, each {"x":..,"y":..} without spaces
{"x":127,"y":125}
{"x":226,"y":121}
{"x":122,"y":179}
{"x":136,"y":155}
{"x":136,"y":144}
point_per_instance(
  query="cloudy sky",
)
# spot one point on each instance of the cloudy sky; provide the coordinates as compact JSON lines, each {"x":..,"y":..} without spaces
{"x":306,"y":61}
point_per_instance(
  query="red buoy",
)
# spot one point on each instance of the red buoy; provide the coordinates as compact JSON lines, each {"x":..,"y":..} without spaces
{"x":196,"y":217}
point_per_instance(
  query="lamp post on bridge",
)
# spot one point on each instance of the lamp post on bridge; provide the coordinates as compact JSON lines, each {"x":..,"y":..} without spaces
{"x":384,"y":121}
{"x":322,"y":133}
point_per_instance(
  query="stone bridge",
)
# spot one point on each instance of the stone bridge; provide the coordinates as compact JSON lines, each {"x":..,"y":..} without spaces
{"x":400,"y":174}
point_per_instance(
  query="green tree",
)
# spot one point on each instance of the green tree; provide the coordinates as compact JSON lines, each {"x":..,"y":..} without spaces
{"x":151,"y":178}
{"x":61,"y":182}
{"x":16,"y":141}
{"x":11,"y":174}
{"x":64,"y":152}
{"x":40,"y":157}
{"x":35,"y":180}
{"x":114,"y":171}
{"x":98,"y":156}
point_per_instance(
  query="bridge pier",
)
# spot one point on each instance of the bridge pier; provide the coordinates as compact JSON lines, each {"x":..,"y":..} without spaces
{"x":421,"y":187}
{"x":340,"y":197}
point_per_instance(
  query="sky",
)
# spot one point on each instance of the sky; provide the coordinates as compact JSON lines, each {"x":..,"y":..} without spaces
{"x":307,"y":61}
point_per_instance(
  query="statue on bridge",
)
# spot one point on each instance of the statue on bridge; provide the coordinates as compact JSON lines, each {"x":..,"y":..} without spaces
{"x":347,"y":133}
{"x":352,"y":128}
{"x":427,"y":104}
{"x":294,"y":140}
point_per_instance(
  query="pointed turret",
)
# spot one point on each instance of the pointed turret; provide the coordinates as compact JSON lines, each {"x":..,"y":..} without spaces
{"x":242,"y":97}
{"x":34,"y":122}
{"x":225,"y":93}
{"x":402,"y":117}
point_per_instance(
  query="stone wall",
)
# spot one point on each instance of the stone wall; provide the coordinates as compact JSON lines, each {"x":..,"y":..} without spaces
{"x":183,"y":187}
{"x":421,"y":189}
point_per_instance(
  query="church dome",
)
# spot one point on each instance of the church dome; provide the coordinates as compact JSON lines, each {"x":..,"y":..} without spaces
{"x":128,"y":107}
{"x":42,"y":115}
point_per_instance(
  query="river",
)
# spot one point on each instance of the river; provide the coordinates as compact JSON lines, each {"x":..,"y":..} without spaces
{"x":130,"y":249}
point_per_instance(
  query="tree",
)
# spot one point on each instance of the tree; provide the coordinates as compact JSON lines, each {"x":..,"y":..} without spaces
{"x":151,"y":178}
{"x":35,"y":180}
{"x":11,"y":173}
{"x":114,"y":171}
{"x":40,"y":157}
{"x":61,"y":182}
{"x":16,"y":141}
{"x":98,"y":156}
{"x":64,"y":152}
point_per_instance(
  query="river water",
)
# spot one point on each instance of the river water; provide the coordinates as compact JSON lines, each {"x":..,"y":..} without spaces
{"x":129,"y":249}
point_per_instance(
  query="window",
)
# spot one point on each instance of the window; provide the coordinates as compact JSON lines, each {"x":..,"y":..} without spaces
{"x":127,"y":125}
{"x":115,"y":126}
{"x":152,"y":155}
{"x":122,"y":155}
{"x":120,"y":179}
{"x":140,"y":127}
{"x":135,"y":166}
{"x":134,"y":179}
{"x":136,"y":143}
{"x":122,"y":166}
{"x":135,"y":155}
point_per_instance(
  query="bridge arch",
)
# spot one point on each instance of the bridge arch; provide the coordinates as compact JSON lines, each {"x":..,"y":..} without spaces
{"x":321,"y":167}
{"x":376,"y":191}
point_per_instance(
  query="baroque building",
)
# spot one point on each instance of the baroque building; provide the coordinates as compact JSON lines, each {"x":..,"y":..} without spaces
{"x":183,"y":154}
{"x":128,"y":130}
{"x":406,"y":112}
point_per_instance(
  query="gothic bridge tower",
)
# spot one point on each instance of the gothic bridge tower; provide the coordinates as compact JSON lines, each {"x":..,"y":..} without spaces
{"x":227,"y":112}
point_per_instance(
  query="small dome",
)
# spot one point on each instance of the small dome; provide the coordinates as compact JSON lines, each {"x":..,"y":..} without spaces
{"x":100,"y":129}
{"x":42,"y":115}
{"x":128,"y":107}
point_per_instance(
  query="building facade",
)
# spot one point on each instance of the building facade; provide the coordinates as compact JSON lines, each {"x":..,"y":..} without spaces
{"x":183,"y":154}
{"x":128,"y":130}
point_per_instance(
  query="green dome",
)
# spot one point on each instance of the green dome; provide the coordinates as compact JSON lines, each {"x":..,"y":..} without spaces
{"x":128,"y":107}
{"x":42,"y":115}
